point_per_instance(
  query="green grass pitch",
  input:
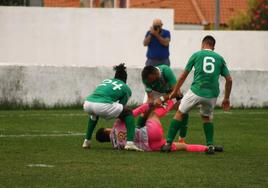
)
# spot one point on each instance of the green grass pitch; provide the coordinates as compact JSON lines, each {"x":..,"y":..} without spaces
{"x":52,"y":139}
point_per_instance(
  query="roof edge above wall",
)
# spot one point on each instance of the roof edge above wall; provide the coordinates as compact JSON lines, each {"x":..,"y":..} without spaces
{"x":199,"y":13}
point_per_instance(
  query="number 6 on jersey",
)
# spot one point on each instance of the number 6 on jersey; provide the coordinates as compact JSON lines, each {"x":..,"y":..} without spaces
{"x":208,"y":64}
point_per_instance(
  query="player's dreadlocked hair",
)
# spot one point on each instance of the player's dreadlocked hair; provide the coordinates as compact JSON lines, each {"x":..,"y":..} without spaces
{"x":147,"y":71}
{"x":120,"y":72}
{"x":209,"y":40}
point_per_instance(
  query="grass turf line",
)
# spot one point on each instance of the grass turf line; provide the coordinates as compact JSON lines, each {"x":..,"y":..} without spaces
{"x":243,"y":164}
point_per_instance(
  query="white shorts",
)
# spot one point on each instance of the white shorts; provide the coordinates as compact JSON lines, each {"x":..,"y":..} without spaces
{"x":105,"y":110}
{"x":190,"y":100}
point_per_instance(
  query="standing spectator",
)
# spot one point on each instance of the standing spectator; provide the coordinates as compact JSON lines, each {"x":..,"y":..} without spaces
{"x":157,"y":40}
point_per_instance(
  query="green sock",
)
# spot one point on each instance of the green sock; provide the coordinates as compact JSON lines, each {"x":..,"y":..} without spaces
{"x":141,"y":122}
{"x":208,"y":128}
{"x":130,"y":124}
{"x":175,"y":125}
{"x":183,"y":129}
{"x":90,"y":127}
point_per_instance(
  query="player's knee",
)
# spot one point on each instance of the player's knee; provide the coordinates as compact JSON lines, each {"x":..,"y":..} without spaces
{"x":206,"y":119}
{"x":178,"y":115}
{"x":126,"y":112}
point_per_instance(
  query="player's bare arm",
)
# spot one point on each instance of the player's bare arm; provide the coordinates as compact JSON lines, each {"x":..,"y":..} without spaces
{"x":227,"y":92}
{"x":156,"y":33}
{"x":150,"y":97}
{"x":159,"y":101}
{"x":163,"y":41}
{"x":176,"y":90}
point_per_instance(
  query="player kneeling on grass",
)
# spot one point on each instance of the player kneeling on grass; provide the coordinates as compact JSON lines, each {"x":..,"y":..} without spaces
{"x":150,"y":137}
{"x":159,"y":81}
{"x":108,"y":101}
{"x":208,"y":66}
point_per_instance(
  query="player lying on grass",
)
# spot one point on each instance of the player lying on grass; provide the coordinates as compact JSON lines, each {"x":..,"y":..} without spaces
{"x":150,"y":137}
{"x":108,"y":101}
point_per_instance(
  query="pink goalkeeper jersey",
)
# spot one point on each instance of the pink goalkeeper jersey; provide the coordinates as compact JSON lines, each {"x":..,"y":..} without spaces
{"x":148,"y":138}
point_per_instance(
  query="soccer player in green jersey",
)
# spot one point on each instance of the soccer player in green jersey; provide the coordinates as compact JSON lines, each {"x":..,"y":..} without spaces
{"x":208,"y":66}
{"x":159,"y":81}
{"x":108,"y":101}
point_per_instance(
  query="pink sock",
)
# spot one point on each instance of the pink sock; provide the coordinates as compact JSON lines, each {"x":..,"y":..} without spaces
{"x":196,"y":148}
{"x":141,"y":109}
{"x":161,"y":111}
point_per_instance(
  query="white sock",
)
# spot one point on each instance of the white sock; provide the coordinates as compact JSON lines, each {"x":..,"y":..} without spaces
{"x":130,"y":142}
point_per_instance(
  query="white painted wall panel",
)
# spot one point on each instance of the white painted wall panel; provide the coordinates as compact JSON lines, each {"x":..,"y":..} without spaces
{"x":71,"y":36}
{"x":64,"y":53}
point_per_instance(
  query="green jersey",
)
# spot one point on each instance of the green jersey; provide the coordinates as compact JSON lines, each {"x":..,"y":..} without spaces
{"x":110,"y":91}
{"x":208,"y":66}
{"x":165,"y":83}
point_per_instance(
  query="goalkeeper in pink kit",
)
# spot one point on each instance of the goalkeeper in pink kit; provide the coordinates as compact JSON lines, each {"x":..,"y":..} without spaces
{"x":150,"y":137}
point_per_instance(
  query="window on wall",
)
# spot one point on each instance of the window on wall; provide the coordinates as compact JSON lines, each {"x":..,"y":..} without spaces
{"x":13,"y":2}
{"x":35,"y":3}
{"x":107,"y":3}
{"x":122,"y":3}
{"x":21,"y":2}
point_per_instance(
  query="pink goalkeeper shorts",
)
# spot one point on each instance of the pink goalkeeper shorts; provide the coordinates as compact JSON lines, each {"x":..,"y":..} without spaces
{"x":156,"y":135}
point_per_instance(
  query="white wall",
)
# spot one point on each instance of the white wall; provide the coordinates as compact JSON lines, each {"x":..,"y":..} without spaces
{"x":72,"y":36}
{"x":62,"y":53}
{"x":242,"y":50}
{"x":68,"y":85}
{"x":94,"y":37}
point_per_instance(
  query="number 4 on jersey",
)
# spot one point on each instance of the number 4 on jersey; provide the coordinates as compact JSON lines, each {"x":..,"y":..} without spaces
{"x":115,"y":84}
{"x":208,"y":64}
